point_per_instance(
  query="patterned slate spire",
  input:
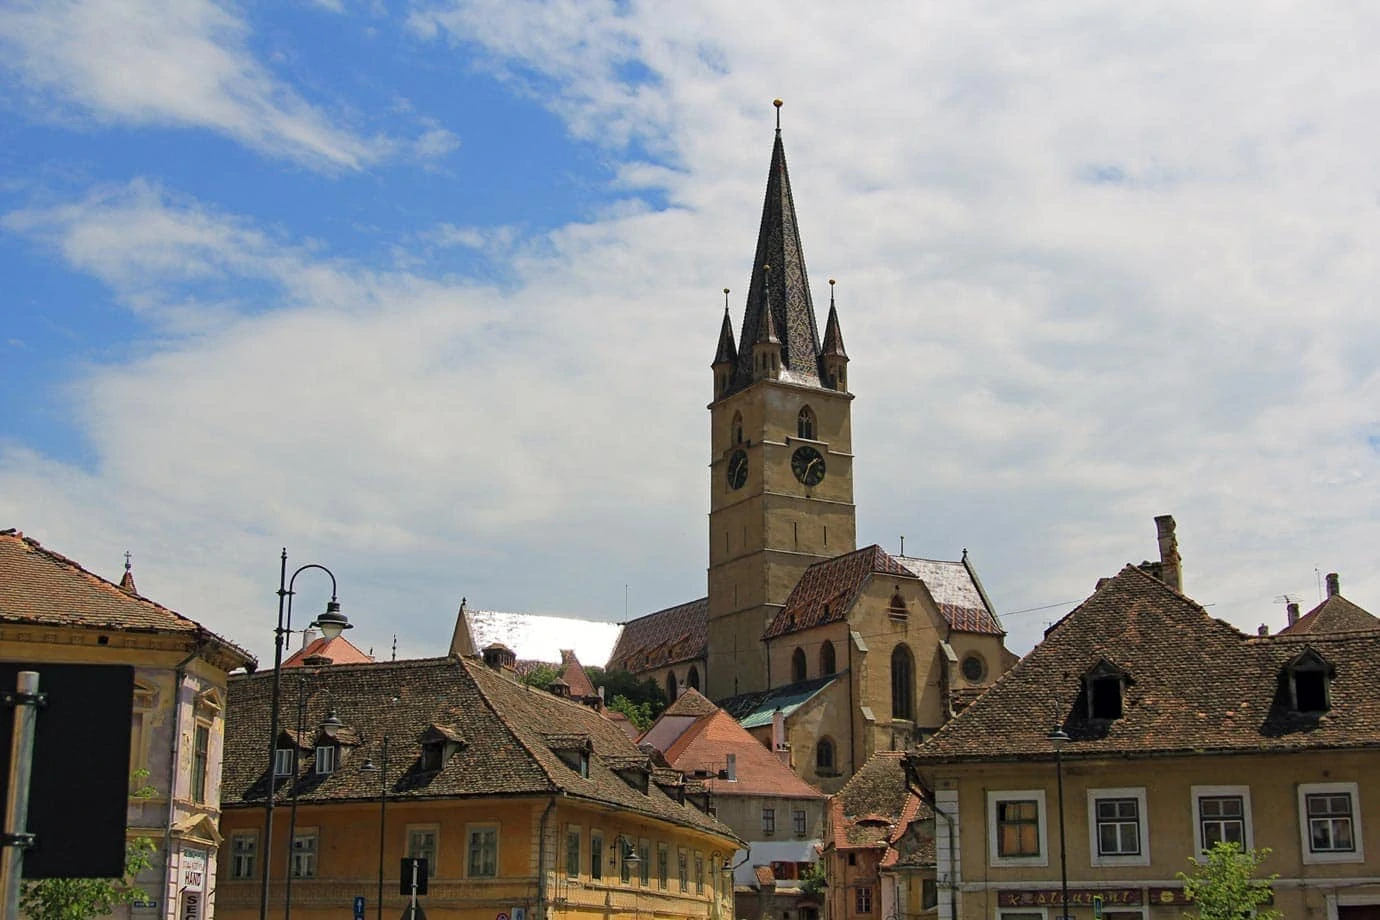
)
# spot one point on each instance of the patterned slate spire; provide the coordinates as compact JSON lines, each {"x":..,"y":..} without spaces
{"x":833,"y":336}
{"x":727,"y":352}
{"x":788,"y":296}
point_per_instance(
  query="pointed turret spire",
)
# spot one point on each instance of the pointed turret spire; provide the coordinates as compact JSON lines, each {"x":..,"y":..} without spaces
{"x":127,"y":580}
{"x":726,"y":356}
{"x":833,"y":359}
{"x":766,"y":348}
{"x":787,"y":298}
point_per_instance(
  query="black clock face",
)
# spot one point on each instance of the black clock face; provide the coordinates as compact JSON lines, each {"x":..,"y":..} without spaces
{"x":807,"y":465}
{"x":737,"y":469}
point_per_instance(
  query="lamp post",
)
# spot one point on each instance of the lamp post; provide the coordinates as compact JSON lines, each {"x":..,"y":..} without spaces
{"x":382,"y":771}
{"x":1057,"y":739}
{"x":331,"y":623}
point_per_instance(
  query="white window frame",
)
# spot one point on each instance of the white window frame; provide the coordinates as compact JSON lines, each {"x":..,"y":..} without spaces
{"x":435,"y":831}
{"x":1201,"y":792}
{"x":325,"y":759}
{"x":237,"y":856}
{"x":306,"y":857}
{"x":282,"y":762}
{"x":994,"y":857}
{"x":1142,"y":821}
{"x":577,"y":869}
{"x":470,"y":831}
{"x":1306,"y":837}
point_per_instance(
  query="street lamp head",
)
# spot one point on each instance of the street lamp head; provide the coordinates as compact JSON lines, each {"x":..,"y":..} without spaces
{"x":368,"y":766}
{"x":332,"y":623}
{"x":1057,"y":739}
{"x":332,"y":724}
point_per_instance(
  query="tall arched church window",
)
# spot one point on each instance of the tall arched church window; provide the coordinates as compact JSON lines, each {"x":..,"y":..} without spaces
{"x":824,"y":756}
{"x":826,"y":659}
{"x":902,"y":683}
{"x":805,"y":423}
{"x":692,"y":680}
{"x":798,"y":665}
{"x":671,"y":690}
{"x":737,"y":428}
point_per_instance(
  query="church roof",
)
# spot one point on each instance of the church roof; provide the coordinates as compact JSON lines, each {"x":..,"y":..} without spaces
{"x":956,"y":592}
{"x":533,"y":637}
{"x":825,"y":593}
{"x":679,"y":633}
{"x":1335,"y":614}
{"x":1194,"y":684}
{"x":787,"y":296}
{"x":727,"y":353}
{"x":756,"y":708}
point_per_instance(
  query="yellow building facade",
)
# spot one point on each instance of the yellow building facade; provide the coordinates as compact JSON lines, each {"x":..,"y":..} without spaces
{"x":1174,"y":732}
{"x":54,"y":611}
{"x":523,"y":803}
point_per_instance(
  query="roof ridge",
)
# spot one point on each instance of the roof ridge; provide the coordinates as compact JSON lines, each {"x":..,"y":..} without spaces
{"x":503,"y":720}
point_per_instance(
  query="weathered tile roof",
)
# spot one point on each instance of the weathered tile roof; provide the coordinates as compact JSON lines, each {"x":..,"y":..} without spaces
{"x":506,"y":750}
{"x":1195,"y":684}
{"x":875,"y":810}
{"x":704,"y":745}
{"x":573,"y":673}
{"x":955,"y":590}
{"x":690,"y":703}
{"x":337,"y":651}
{"x":42,"y":587}
{"x":1335,"y":614}
{"x":679,"y":633}
{"x":825,"y":593}
{"x":755,"y":708}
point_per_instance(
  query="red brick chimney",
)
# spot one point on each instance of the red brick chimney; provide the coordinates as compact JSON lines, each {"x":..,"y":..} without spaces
{"x":1171,"y":566}
{"x":1334,"y":584}
{"x":1292,"y":611}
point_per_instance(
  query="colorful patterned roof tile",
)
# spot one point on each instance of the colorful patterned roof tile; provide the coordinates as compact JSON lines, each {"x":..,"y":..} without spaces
{"x":669,"y":636}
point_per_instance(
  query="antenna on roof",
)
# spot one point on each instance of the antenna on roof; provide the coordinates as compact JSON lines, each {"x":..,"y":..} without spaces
{"x":395,"y":646}
{"x":777,"y":103}
{"x":903,"y":536}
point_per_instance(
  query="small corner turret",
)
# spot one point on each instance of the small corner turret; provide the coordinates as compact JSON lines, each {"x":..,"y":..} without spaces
{"x":833,"y":359}
{"x":726,"y":356}
{"x":766,"y":348}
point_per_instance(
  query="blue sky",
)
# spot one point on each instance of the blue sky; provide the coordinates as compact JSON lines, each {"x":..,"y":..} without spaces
{"x":427,"y":291}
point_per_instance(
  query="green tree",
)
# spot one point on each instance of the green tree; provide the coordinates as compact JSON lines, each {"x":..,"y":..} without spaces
{"x":1224,"y":887}
{"x":637,"y":693}
{"x":812,"y":881}
{"x":640,"y":714}
{"x":541,"y":676}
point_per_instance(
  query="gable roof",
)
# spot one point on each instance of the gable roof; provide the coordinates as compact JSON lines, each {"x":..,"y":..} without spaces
{"x":679,"y":633}
{"x":875,"y":810}
{"x":40,"y":586}
{"x":756,"y":708}
{"x":957,"y":593}
{"x":1196,"y":685}
{"x":703,"y":742}
{"x":337,"y":651}
{"x":573,"y":673}
{"x":825,"y":593}
{"x":506,"y":751}
{"x":1335,"y":614}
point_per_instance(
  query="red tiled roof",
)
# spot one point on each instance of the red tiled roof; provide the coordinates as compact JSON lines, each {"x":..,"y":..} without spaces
{"x":679,"y":633}
{"x":875,"y":810}
{"x":1336,"y":614}
{"x":765,"y":876}
{"x":826,"y":591}
{"x":40,"y":586}
{"x":338,"y":651}
{"x":1195,"y":684}
{"x":706,"y":743}
{"x":573,"y":673}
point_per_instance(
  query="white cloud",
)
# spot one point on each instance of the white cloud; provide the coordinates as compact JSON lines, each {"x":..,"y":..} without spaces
{"x":1092,"y":267}
{"x":184,"y":63}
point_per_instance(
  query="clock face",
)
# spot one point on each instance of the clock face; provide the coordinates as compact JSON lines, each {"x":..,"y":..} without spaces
{"x":737,"y":469}
{"x":807,"y":465}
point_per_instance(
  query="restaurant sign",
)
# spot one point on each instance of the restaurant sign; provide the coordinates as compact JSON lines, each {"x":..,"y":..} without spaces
{"x":1050,"y":897}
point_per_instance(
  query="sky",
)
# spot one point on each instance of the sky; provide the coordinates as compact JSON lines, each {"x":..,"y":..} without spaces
{"x":426,"y":292}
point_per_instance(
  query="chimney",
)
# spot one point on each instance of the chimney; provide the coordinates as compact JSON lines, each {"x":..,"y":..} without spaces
{"x":499,"y":657}
{"x":1292,"y":611}
{"x":1334,"y":584}
{"x":308,"y":636}
{"x":1171,"y":572}
{"x":732,"y":770}
{"x":1262,"y":630}
{"x":778,"y":737}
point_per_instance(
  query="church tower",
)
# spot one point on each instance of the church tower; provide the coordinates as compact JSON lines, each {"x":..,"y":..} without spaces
{"x":781,"y":463}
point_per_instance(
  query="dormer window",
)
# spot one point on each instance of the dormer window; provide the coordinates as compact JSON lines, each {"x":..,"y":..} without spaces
{"x":325,"y":759}
{"x":1307,"y":676}
{"x":1105,"y":686}
{"x":432,"y":756}
{"x":439,"y":743}
{"x":282,"y":762}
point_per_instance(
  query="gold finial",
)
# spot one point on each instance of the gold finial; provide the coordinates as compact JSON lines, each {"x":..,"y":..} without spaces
{"x":831,"y":293}
{"x":766,"y":268}
{"x":778,"y":104}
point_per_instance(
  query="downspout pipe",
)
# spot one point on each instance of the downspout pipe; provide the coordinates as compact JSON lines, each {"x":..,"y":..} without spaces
{"x":914,"y":784}
{"x":541,"y":859}
{"x":179,"y":676}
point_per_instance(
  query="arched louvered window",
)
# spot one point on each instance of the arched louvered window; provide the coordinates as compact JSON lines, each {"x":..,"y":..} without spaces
{"x":824,"y":756}
{"x":805,"y":423}
{"x":798,"y":665}
{"x":671,"y":689}
{"x":902,"y":683}
{"x":827,"y":665}
{"x":692,"y":680}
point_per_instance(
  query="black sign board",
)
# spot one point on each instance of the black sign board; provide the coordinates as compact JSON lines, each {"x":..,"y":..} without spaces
{"x":79,"y":790}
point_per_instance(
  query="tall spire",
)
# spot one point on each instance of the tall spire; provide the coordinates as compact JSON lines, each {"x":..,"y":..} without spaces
{"x":787,"y":298}
{"x":728,"y":352}
{"x":833,"y":336}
